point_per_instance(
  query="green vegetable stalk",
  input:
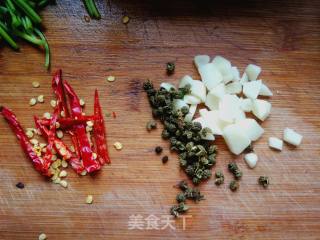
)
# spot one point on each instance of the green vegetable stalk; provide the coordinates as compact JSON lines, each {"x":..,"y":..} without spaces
{"x":20,"y":19}
{"x":92,"y":9}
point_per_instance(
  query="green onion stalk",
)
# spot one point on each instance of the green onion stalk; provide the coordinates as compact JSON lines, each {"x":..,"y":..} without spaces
{"x":20,"y":19}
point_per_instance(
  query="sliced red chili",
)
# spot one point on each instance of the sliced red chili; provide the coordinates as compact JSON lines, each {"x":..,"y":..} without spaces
{"x":83,"y":142}
{"x":100,"y":132}
{"x":68,"y":122}
{"x":40,"y":164}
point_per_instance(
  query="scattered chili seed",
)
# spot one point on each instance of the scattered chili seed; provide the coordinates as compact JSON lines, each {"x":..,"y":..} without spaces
{"x":64,"y":163}
{"x":82,"y":102}
{"x":125,"y":19}
{"x":34,"y":141}
{"x":35,"y":84}
{"x":83,"y":173}
{"x":111,"y":78}
{"x":118,"y":145}
{"x":32,"y":101}
{"x":59,"y":134}
{"x":165,"y":159}
{"x":89,"y":199}
{"x":63,"y":114}
{"x":87,"y":18}
{"x":94,"y":155}
{"x":53,"y":103}
{"x":42,"y":236}
{"x":64,"y":183}
{"x":72,"y":148}
{"x":63,"y":173}
{"x":29,"y":134}
{"x":89,"y":123}
{"x":158,"y":149}
{"x":47,"y":115}
{"x":114,"y":115}
{"x":40,"y":98}
{"x":20,"y":185}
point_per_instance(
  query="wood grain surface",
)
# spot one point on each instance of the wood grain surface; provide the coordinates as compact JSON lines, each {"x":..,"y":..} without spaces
{"x":281,"y":36}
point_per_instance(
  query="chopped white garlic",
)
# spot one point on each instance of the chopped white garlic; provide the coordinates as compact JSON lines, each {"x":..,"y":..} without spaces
{"x":200,"y":60}
{"x":292,"y":137}
{"x":253,"y":72}
{"x":252,"y":89}
{"x":275,"y":143}
{"x":261,"y":109}
{"x":251,"y":159}
{"x":236,"y":139}
{"x":252,"y":129}
{"x":210,"y":75}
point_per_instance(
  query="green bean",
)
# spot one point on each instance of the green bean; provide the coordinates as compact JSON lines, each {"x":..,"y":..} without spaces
{"x":46,"y":48}
{"x":28,"y":10}
{"x":7,"y":38}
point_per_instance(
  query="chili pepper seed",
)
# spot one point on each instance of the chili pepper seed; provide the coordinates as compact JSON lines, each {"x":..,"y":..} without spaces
{"x":40,"y":98}
{"x":34,"y":141}
{"x":83,"y":173}
{"x":47,"y":115}
{"x":32,"y":101}
{"x":35,"y":84}
{"x":125,"y":19}
{"x":89,"y":199}
{"x":89,"y":123}
{"x":64,"y":163}
{"x":29,"y":134}
{"x":82,"y":102}
{"x":64,"y":183}
{"x":72,"y":148}
{"x":118,"y":145}
{"x":42,"y":236}
{"x":63,"y":114}
{"x":94,"y":155}
{"x":111,"y":78}
{"x":53,"y":103}
{"x":59,"y":134}
{"x":63,"y":173}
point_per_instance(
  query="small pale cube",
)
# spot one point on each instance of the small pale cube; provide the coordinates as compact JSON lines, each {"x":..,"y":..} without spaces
{"x":236,"y":139}
{"x":251,"y":159}
{"x":252,"y":89}
{"x":275,"y":143}
{"x":253,"y":71}
{"x":292,"y":137}
{"x":261,"y":109}
{"x":200,"y":60}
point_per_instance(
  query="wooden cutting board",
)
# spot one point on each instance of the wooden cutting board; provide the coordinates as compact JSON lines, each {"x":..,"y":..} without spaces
{"x":281,"y":36}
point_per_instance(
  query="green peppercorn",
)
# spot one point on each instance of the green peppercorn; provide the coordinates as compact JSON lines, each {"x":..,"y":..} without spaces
{"x":264,"y":181}
{"x":183,"y":185}
{"x":151,"y":125}
{"x":234,"y":185}
{"x":165,"y":134}
{"x":181,"y":197}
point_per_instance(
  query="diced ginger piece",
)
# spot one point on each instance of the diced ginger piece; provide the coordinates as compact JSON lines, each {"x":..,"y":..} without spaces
{"x":190,"y":99}
{"x":236,"y":138}
{"x":261,"y":109}
{"x":250,"y":126}
{"x":234,"y":88}
{"x":210,"y":75}
{"x":246,"y":104}
{"x":252,"y":89}
{"x":292,"y":137}
{"x":251,"y":159}
{"x":265,"y":91}
{"x":275,"y":143}
{"x":201,"y":60}
{"x":253,"y":72}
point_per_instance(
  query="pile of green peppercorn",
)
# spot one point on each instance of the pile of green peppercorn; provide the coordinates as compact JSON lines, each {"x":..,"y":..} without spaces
{"x":196,"y":156}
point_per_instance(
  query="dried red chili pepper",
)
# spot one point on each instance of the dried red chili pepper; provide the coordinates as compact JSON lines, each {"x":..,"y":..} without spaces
{"x":57,"y":86}
{"x":99,"y":132}
{"x":68,"y":122}
{"x":85,"y":150}
{"x":61,"y":148}
{"x":58,"y":89}
{"x":40,"y":164}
